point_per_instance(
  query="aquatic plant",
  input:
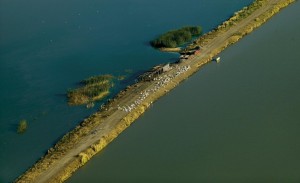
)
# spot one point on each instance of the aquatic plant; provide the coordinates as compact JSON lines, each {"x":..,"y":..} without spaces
{"x":93,"y":88}
{"x":121,"y":77}
{"x":22,"y":127}
{"x":177,"y":37}
{"x":97,"y":79}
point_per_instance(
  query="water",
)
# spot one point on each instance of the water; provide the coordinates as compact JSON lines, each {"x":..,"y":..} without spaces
{"x":48,"y":46}
{"x":236,"y":121}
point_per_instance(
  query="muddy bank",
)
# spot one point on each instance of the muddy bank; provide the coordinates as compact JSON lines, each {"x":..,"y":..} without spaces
{"x":178,"y":49}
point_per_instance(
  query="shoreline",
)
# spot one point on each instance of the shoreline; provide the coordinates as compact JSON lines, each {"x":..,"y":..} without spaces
{"x":177,"y":49}
{"x":98,"y":130}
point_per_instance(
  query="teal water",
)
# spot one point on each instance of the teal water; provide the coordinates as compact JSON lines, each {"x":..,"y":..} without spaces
{"x":48,"y":46}
{"x":236,"y":121}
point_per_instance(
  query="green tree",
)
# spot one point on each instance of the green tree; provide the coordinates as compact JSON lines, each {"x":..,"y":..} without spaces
{"x":177,"y":37}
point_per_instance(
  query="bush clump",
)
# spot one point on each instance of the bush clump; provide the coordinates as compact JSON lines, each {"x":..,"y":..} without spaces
{"x":97,"y":79}
{"x":93,"y":88}
{"x":22,"y":127}
{"x":177,"y":37}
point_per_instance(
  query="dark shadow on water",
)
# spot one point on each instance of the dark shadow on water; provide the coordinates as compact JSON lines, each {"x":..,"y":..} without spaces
{"x":132,"y":78}
{"x":173,"y":59}
{"x":146,"y":43}
{"x":13,"y":128}
{"x":61,"y":95}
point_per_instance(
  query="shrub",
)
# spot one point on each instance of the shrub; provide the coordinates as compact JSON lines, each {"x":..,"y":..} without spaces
{"x":22,"y":127}
{"x":97,"y":79}
{"x":177,"y":37}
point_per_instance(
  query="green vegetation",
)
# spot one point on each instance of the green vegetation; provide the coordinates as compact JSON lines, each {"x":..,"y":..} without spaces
{"x":93,"y":88}
{"x":177,"y":37}
{"x":97,"y":79}
{"x":22,"y":127}
{"x":121,"y":78}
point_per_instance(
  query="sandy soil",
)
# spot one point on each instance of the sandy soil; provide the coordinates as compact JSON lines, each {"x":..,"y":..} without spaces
{"x":114,"y":113}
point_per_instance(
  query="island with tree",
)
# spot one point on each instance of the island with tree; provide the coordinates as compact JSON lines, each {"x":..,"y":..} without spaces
{"x":91,"y":89}
{"x":176,"y":38}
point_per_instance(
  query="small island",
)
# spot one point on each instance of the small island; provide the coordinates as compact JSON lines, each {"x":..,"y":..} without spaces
{"x":92,"y":89}
{"x":175,"y":38}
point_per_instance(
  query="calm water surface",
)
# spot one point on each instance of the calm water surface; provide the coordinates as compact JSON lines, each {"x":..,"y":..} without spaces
{"x":48,"y":46}
{"x":237,"y":121}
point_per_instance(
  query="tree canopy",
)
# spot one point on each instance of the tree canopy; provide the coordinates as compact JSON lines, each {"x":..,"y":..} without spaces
{"x":177,"y":37}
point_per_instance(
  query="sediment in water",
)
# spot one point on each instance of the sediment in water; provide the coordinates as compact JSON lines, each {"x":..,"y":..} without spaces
{"x":73,"y":138}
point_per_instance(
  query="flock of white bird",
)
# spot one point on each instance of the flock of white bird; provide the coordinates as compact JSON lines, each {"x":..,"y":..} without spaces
{"x":161,"y":81}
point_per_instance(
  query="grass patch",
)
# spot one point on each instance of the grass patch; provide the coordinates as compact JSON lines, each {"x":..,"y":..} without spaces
{"x":92,"y":89}
{"x":22,"y":127}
